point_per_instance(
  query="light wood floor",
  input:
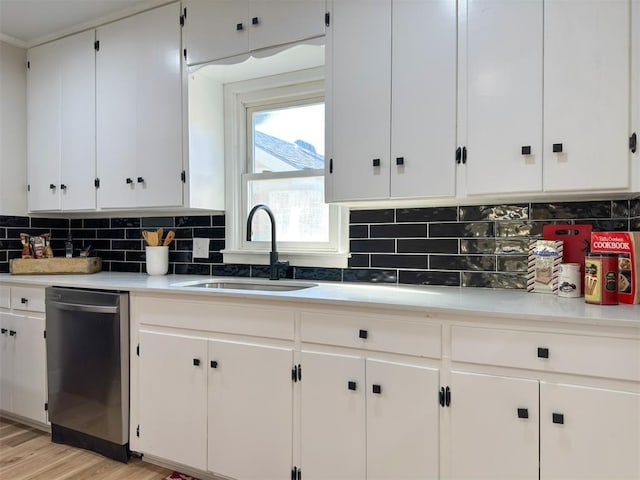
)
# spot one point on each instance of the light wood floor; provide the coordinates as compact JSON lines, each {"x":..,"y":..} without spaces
{"x":29,"y":454}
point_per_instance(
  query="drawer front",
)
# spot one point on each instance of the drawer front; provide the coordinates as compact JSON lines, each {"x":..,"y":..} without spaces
{"x":376,"y":333}
{"x":252,"y":320}
{"x":27,"y":298}
{"x":563,"y":353}
{"x":5,"y":297}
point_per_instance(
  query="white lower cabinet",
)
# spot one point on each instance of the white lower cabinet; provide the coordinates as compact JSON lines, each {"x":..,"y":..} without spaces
{"x":509,"y":417}
{"x":537,"y":427}
{"x":173,"y":397}
{"x":588,"y":433}
{"x":212,"y":404}
{"x":368,"y":418}
{"x":333,"y":416}
{"x":266,"y":390}
{"x":250,"y":405}
{"x":23,"y":373}
{"x":542,"y":430}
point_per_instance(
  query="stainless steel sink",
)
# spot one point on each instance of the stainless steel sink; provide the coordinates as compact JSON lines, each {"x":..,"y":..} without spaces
{"x":270,"y":286}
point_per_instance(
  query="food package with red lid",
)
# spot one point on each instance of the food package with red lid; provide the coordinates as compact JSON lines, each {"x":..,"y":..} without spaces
{"x":627,"y":246}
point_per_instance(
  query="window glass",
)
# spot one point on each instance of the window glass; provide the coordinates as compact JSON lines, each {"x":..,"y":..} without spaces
{"x":288,"y":139}
{"x":298,"y":205}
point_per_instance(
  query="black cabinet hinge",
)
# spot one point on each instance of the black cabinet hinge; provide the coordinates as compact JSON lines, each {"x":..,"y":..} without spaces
{"x":44,"y":334}
{"x":138,"y":431}
{"x":182,"y":20}
{"x":445,"y":396}
{"x":327,"y":19}
{"x":138,"y":350}
{"x":46,"y":407}
{"x":331,"y":165}
{"x":184,"y":52}
{"x":296,"y":473}
{"x":96,"y":183}
{"x":633,"y":142}
{"x":28,"y":65}
{"x":28,"y":188}
{"x":96,"y":45}
{"x":464,"y":155}
{"x":296,"y":373}
{"x":183,"y":176}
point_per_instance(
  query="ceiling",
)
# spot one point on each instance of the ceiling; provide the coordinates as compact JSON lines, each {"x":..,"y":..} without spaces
{"x":30,"y":22}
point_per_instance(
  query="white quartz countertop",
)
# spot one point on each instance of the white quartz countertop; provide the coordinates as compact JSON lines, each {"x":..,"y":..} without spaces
{"x":496,"y":303}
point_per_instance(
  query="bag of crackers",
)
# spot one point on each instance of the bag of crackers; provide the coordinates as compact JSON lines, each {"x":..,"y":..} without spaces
{"x":626,"y":245}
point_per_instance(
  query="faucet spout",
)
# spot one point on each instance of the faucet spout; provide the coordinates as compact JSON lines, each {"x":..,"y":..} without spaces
{"x":274,"y":264}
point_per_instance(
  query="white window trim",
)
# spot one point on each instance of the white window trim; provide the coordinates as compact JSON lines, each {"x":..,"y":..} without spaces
{"x":237,"y":97}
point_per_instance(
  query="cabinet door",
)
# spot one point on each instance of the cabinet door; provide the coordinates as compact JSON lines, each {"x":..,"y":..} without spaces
{"x":250,"y":405}
{"x":586,"y":94}
{"x":173,"y":397}
{"x":504,"y":96}
{"x":43,"y":120}
{"x":116,"y":113}
{"x":360,"y":86}
{"x":423,"y":110}
{"x":333,"y":416}
{"x":215,"y":29}
{"x":28,"y":387}
{"x":596,"y":436}
{"x":140,"y":110}
{"x":483,"y":405}
{"x":403,"y":421}
{"x":78,"y":122}
{"x":7,"y":355}
{"x":284,"y":21}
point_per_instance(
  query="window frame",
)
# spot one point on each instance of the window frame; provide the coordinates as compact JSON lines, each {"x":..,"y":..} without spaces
{"x":306,"y":86}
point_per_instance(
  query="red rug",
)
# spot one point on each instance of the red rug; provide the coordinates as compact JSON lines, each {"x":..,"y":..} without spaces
{"x":179,"y":476}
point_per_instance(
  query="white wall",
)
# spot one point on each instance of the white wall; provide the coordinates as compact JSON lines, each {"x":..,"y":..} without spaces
{"x":13,"y":130}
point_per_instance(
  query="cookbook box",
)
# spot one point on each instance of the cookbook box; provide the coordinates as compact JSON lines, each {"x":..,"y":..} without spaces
{"x":627,"y":246}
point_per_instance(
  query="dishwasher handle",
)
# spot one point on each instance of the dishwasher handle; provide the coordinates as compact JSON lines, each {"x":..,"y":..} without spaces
{"x":80,"y":307}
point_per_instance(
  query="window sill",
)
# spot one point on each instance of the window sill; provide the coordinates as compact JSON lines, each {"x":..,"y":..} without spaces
{"x":295,"y":259}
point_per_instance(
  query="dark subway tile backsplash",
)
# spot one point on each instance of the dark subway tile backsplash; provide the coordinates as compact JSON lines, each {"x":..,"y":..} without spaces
{"x":468,"y":246}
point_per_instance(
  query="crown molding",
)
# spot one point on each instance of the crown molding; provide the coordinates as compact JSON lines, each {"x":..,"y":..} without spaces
{"x":97,"y":22}
{"x":12,"y":41}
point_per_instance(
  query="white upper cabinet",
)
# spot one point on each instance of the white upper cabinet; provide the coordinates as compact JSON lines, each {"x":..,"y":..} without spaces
{"x":423,"y":114}
{"x":547,"y":96}
{"x":359,"y":64}
{"x":392,"y":97}
{"x":503,"y":121}
{"x":635,"y":95}
{"x":586,"y":95}
{"x":61,"y":124}
{"x":215,"y":29}
{"x":139,"y":110}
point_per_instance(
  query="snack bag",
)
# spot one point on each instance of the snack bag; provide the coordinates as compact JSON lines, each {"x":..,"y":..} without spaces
{"x":545,"y":257}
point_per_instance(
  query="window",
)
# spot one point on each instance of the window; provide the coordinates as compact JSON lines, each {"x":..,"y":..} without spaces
{"x":285,"y":170}
{"x":274,"y":151}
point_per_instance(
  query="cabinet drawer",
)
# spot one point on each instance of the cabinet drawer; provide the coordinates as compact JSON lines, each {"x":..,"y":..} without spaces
{"x":379,"y":333}
{"x":27,"y":298}
{"x":5,"y":297}
{"x":251,"y":319}
{"x":566,"y":353}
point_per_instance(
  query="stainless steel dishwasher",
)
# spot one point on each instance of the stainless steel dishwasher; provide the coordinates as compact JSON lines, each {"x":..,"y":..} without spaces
{"x":87,"y":337}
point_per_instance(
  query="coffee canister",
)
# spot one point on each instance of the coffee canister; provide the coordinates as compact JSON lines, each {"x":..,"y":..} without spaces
{"x":569,"y":281}
{"x":601,"y":279}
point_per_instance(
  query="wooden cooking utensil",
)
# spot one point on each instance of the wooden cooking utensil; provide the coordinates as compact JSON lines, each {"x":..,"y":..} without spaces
{"x":159,"y":233}
{"x":169,"y":237}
